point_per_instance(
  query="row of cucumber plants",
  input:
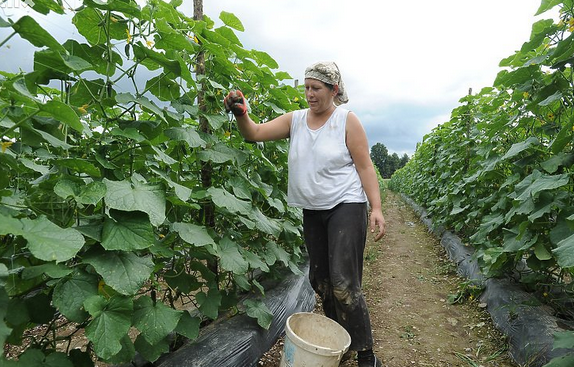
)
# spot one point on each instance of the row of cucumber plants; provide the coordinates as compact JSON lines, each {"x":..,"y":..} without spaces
{"x":128,"y":197}
{"x":499,"y":172}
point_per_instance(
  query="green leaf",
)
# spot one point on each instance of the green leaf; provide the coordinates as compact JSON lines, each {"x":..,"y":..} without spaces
{"x":127,"y":231}
{"x":182,"y":192}
{"x":46,"y":240}
{"x":20,"y":86}
{"x":258,"y":310}
{"x":187,"y":134}
{"x":63,"y":113}
{"x":35,"y":357}
{"x":520,"y":147}
{"x":566,"y":360}
{"x":151,"y":352}
{"x":547,"y":5}
{"x":538,"y":182}
{"x":188,"y":326}
{"x":111,"y":322}
{"x":563,"y":138}
{"x":70,"y":294}
{"x":541,"y":252}
{"x":125,"y":272}
{"x":209,"y":303}
{"x":563,"y":340}
{"x":81,"y":166}
{"x":163,"y":88}
{"x":224,"y":199}
{"x":264,"y":223}
{"x":153,"y":59}
{"x":53,"y":270}
{"x":136,"y":196}
{"x":551,"y":99}
{"x":5,"y":331}
{"x":76,"y":63}
{"x":31,"y":31}
{"x":230,"y":258}
{"x":210,"y":155}
{"x":193,"y":234}
{"x":154,"y":319}
{"x":274,"y":253}
{"x":89,"y":194}
{"x":564,"y":252}
{"x":264,"y":58}
{"x":49,"y":242}
{"x":230,"y":20}
{"x":52,"y":140}
{"x":95,"y":26}
{"x":255,"y":262}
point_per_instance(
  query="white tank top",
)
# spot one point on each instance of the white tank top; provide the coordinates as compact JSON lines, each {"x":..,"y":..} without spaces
{"x":321,"y":171}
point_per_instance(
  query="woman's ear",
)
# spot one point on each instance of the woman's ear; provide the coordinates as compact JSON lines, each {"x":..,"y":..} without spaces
{"x":336,"y":89}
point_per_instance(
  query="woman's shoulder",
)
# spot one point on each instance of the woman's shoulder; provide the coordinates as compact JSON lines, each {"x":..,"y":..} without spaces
{"x":298,"y":116}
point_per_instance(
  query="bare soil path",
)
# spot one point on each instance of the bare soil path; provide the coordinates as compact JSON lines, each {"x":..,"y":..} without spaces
{"x":408,"y":281}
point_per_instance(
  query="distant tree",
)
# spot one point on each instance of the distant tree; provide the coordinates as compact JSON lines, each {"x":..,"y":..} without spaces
{"x":404,"y":160}
{"x":379,"y":155}
{"x":393,"y":164}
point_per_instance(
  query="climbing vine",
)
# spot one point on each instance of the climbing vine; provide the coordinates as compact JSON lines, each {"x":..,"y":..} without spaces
{"x":500,"y":171}
{"x":103,"y":226}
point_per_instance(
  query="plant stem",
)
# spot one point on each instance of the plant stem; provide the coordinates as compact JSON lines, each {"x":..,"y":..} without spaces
{"x":7,"y":39}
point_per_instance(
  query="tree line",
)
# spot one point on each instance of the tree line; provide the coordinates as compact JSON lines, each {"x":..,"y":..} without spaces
{"x":387,"y":164}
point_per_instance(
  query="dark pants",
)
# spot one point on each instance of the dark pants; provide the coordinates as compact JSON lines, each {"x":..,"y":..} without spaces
{"x":335,"y":241}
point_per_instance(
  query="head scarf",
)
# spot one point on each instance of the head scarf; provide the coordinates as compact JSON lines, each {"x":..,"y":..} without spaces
{"x":328,"y":72}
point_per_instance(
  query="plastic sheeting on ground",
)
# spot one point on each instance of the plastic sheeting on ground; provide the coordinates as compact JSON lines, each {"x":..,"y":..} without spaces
{"x":527,"y":323}
{"x":239,"y":341}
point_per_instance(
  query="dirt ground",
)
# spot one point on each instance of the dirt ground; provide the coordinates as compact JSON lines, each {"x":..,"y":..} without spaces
{"x":408,"y":282}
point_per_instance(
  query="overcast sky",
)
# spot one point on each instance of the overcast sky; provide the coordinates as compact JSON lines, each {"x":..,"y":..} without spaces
{"x":405,"y":63}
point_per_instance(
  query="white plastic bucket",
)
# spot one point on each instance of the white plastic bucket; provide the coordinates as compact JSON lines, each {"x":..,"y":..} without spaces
{"x":313,"y":340}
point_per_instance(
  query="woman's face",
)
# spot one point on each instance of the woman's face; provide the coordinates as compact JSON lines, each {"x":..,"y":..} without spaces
{"x":319,"y":96}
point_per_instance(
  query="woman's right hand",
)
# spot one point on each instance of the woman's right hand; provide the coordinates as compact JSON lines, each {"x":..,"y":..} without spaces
{"x":235,"y":102}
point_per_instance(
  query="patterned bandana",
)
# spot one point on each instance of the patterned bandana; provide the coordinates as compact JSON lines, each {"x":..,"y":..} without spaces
{"x":329,"y":73}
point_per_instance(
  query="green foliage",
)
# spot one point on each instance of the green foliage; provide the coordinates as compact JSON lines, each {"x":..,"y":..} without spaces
{"x":500,"y":171}
{"x":127,"y":195}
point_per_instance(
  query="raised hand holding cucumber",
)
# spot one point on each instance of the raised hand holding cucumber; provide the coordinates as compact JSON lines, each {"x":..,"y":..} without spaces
{"x":235,"y":102}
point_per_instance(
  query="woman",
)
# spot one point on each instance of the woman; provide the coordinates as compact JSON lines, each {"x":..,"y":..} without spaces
{"x":331,"y":177}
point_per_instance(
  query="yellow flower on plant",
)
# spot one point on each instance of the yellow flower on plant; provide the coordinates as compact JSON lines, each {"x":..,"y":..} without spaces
{"x":149,"y":43}
{"x":571,"y":24}
{"x":227,"y":134}
{"x":83,"y":109}
{"x":114,"y":19}
{"x":526,"y":95}
{"x":161,"y":235}
{"x":5,"y":145}
{"x":129,"y":35}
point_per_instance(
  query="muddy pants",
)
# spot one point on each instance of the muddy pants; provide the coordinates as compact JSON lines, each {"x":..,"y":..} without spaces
{"x":335,"y":241}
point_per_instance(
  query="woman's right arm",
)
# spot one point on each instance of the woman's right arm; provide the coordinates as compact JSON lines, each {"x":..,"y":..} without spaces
{"x":275,"y":129}
{"x":278,"y":128}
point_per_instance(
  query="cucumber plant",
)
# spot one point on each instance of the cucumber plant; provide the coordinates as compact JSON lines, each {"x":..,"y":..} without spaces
{"x":103,"y":228}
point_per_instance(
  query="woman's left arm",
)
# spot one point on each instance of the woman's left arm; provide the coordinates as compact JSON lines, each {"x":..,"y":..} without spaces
{"x":359,"y":148}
